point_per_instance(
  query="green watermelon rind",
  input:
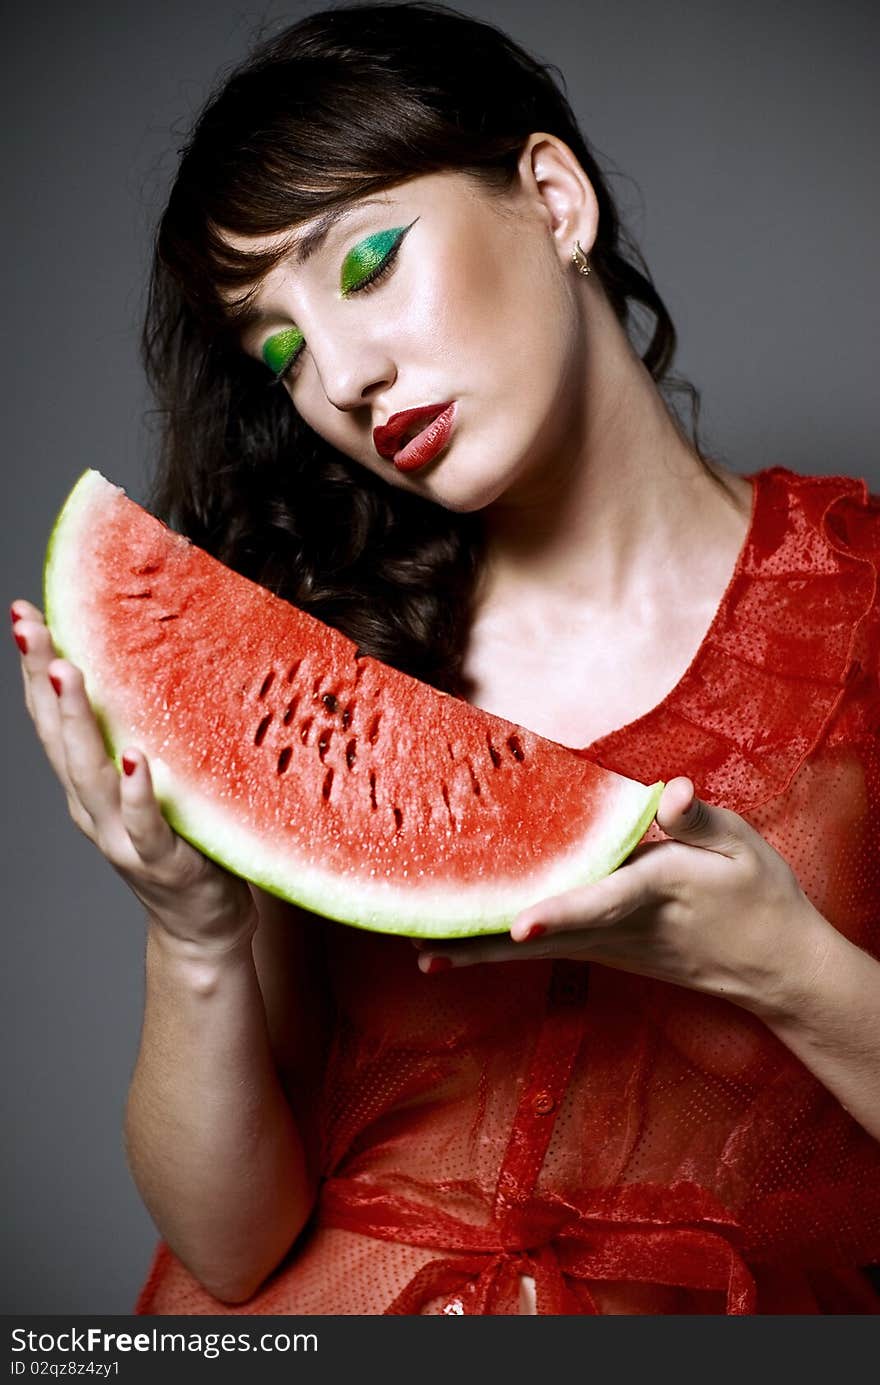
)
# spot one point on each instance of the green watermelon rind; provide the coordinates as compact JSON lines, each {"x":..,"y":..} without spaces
{"x":414,"y":910}
{"x":77,"y":500}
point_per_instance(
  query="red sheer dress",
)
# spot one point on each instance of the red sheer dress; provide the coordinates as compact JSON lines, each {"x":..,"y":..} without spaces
{"x":628,"y":1145}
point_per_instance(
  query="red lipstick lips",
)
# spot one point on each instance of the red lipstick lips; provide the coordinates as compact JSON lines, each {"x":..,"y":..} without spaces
{"x":413,"y":437}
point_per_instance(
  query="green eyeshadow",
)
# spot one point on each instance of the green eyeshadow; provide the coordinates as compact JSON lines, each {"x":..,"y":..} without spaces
{"x":280,"y":350}
{"x":367,"y":256}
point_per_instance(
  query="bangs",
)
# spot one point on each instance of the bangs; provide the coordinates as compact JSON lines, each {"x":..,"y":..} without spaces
{"x":280,"y":146}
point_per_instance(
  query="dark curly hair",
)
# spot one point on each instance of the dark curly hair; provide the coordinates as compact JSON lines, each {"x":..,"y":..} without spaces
{"x":336,"y":107}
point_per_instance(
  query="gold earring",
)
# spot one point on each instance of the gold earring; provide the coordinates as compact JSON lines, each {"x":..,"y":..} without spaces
{"x":579,"y":259}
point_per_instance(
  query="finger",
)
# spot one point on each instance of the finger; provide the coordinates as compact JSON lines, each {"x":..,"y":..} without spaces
{"x":150,"y":834}
{"x":25,"y":610}
{"x":90,"y":771}
{"x":37,"y":653}
{"x":639,"y":883}
{"x":686,"y":818}
{"x":493,"y":949}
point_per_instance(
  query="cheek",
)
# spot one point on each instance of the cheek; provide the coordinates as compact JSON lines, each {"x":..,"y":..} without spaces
{"x":460,"y":300}
{"x":498,"y":304}
{"x":310,"y":402}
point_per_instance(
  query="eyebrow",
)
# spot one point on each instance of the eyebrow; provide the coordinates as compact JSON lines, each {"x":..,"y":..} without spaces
{"x":302,"y":248}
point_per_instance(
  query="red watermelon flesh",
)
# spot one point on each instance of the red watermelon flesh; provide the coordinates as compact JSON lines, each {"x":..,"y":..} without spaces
{"x":333,"y":781}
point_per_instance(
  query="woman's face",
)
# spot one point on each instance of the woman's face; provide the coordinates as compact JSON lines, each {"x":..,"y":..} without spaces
{"x":433,"y":293}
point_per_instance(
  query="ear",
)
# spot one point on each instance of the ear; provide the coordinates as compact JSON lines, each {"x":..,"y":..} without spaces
{"x":555,"y":184}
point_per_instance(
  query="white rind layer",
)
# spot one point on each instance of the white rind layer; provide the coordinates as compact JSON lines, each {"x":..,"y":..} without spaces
{"x":419,"y":909}
{"x":422,"y":910}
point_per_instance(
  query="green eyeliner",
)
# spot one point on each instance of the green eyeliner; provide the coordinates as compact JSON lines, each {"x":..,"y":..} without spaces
{"x":280,"y":349}
{"x":367,"y":256}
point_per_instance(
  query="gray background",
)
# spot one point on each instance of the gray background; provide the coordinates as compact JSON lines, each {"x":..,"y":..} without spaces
{"x":745,"y":138}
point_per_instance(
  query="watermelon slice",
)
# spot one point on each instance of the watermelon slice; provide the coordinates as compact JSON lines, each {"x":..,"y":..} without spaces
{"x":331,"y":780}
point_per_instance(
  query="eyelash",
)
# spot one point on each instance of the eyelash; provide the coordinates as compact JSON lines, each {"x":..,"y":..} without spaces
{"x":370,"y":282}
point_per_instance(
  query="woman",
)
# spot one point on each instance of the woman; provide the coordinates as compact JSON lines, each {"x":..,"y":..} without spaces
{"x":660,"y":1094}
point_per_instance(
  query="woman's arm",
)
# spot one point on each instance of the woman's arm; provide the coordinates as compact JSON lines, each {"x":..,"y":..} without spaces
{"x":214,"y":1137}
{"x":828,"y":1014}
{"x":212,"y":1141}
{"x":717,"y":909}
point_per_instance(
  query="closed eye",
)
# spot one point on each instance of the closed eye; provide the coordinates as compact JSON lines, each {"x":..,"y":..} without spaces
{"x":371,"y":259}
{"x":376,"y":275}
{"x":282,"y":351}
{"x":365,"y":266}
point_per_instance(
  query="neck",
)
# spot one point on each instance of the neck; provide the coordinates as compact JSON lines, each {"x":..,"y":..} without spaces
{"x":612,"y":509}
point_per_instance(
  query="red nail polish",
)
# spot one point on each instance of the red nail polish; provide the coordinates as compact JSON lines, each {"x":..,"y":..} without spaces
{"x":438,"y":964}
{"x":15,"y":615}
{"x":536,"y":931}
{"x":56,"y":683}
{"x":128,"y":764}
{"x":21,"y":642}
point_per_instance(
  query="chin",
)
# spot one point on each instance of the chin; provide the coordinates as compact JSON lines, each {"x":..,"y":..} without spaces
{"x":465,"y":497}
{"x":464,"y":484}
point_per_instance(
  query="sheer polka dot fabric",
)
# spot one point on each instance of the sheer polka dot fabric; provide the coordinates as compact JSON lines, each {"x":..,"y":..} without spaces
{"x":633,"y":1147}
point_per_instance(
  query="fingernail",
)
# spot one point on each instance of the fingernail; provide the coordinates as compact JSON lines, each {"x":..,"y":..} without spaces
{"x":438,"y":964}
{"x":15,"y":615}
{"x":21,"y":642}
{"x":56,"y":683}
{"x":536,"y":931}
{"x":128,"y":764}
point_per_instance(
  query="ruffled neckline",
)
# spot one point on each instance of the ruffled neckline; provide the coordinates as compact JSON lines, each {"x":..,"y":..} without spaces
{"x":779,"y":652}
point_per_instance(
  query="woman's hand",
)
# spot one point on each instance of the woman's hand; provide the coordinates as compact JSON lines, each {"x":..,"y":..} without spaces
{"x":182,"y":891}
{"x":715,"y":909}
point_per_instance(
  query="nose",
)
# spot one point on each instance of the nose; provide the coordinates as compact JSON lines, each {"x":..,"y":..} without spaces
{"x":352,"y":371}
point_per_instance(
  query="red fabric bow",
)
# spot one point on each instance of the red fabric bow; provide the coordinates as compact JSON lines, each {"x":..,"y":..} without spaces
{"x":562,"y":1246}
